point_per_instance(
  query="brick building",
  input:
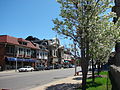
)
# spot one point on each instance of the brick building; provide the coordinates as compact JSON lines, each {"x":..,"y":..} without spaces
{"x":18,"y":50}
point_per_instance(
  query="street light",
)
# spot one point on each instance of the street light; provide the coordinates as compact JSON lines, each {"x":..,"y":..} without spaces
{"x":16,"y":65}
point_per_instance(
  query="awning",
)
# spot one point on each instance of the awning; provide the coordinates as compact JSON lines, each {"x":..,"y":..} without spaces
{"x":20,"y":59}
{"x":11,"y":59}
{"x":30,"y":60}
{"x":66,"y":61}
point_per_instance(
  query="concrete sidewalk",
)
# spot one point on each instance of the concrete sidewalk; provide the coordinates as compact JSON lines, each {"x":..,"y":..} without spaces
{"x":70,"y":81}
{"x":8,"y":71}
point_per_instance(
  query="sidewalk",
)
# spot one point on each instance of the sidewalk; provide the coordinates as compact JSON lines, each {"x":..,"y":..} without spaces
{"x":7,"y":71}
{"x":69,"y":83}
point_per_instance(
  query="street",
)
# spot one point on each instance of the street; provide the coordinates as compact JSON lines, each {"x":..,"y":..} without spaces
{"x":27,"y":80}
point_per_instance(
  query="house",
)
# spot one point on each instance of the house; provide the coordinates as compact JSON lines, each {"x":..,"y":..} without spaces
{"x":68,"y":57}
{"x":55,"y":50}
{"x":43,"y":55}
{"x":18,"y":50}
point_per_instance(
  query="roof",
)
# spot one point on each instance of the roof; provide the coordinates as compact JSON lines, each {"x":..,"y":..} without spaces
{"x":15,"y":41}
{"x":22,"y":40}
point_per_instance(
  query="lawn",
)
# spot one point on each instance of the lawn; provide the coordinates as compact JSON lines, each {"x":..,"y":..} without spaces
{"x":102,"y":82}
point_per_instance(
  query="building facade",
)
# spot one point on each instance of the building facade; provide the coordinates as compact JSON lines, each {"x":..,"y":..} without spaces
{"x":17,"y":51}
{"x":68,"y":57}
{"x":55,"y":50}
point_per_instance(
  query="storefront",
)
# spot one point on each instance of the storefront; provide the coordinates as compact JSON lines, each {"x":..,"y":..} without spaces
{"x":10,"y":62}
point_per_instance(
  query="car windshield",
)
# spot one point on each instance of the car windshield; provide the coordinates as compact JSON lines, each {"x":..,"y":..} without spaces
{"x":26,"y":66}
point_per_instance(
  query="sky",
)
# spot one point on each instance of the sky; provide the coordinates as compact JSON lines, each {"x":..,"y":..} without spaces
{"x":22,"y":18}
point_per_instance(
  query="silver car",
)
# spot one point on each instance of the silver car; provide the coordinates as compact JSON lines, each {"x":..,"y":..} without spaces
{"x":26,"y":69}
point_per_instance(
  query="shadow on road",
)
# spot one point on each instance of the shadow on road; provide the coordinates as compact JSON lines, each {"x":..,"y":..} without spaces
{"x":64,"y":86}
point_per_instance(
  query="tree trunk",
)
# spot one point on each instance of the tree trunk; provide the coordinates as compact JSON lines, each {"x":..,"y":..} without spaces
{"x":84,"y":62}
{"x":84,"y":74}
{"x":98,"y":67}
{"x":93,"y":74}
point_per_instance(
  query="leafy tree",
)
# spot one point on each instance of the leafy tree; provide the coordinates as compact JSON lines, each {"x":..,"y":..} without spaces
{"x":104,"y":40}
{"x":87,"y":23}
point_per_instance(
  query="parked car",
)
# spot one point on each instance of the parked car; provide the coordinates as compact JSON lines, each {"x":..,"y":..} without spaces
{"x":66,"y":66}
{"x":26,"y":69}
{"x":71,"y":66}
{"x":58,"y":66}
{"x":39,"y":67}
{"x":48,"y":67}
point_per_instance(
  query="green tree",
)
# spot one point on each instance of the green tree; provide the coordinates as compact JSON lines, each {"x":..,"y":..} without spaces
{"x":84,"y":21}
{"x":104,"y":39}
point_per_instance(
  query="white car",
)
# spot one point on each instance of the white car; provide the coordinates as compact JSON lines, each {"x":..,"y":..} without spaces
{"x":26,"y":69}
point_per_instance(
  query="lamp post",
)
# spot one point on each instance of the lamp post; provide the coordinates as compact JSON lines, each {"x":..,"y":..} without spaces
{"x":16,"y":65}
{"x":16,"y":60}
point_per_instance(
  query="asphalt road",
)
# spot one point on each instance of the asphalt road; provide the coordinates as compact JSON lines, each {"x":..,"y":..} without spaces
{"x":27,"y":80}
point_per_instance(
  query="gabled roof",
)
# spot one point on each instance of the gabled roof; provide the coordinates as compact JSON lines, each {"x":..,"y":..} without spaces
{"x":15,"y":41}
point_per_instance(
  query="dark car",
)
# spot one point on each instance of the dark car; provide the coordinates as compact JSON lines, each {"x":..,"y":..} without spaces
{"x":48,"y":67}
{"x":58,"y":66}
{"x":71,"y":66}
{"x":39,"y":67}
{"x":66,"y":66}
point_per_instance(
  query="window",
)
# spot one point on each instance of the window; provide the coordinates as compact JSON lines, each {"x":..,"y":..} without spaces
{"x":41,"y":54}
{"x":28,"y":52}
{"x":46,"y":53}
{"x":10,"y":49}
{"x":21,"y":51}
{"x":22,"y":43}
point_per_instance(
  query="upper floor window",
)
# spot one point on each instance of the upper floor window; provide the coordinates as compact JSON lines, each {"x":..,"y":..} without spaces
{"x":46,"y":53}
{"x":28,"y":52}
{"x":10,"y":49}
{"x":23,"y":43}
{"x":21,"y":51}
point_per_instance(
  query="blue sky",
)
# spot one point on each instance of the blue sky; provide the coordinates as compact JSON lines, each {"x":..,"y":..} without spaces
{"x":21,"y":18}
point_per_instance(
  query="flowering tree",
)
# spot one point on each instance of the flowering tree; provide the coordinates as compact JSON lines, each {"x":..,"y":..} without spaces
{"x":87,"y":23}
